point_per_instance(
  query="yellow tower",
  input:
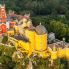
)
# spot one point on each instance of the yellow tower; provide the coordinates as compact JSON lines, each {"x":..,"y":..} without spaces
{"x":30,"y":34}
{"x":41,"y":40}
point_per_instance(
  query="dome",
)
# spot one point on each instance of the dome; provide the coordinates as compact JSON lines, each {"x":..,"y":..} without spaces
{"x":40,"y":29}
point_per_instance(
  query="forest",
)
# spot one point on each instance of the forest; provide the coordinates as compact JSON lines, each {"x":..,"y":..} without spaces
{"x":53,"y":14}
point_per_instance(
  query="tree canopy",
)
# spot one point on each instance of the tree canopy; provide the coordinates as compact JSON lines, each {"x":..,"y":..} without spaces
{"x":40,"y":7}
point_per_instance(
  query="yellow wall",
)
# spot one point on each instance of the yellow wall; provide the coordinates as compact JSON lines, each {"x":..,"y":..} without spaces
{"x":31,"y":36}
{"x":40,"y":42}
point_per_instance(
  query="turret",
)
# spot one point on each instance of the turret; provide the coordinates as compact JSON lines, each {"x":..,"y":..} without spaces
{"x":2,"y":14}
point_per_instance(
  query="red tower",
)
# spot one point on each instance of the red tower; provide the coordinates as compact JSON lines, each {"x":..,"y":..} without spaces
{"x":3,"y":18}
{"x":2,"y":14}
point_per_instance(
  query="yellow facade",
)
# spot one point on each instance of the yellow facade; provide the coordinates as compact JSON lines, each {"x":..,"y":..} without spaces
{"x":66,"y":53}
{"x":10,"y":33}
{"x":61,"y":53}
{"x":23,"y":45}
{"x":54,"y":55}
{"x":43,"y":54}
{"x":40,"y":42}
{"x":31,"y":36}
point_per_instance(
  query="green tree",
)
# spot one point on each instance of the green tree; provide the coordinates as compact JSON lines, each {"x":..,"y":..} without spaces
{"x":58,"y":28}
